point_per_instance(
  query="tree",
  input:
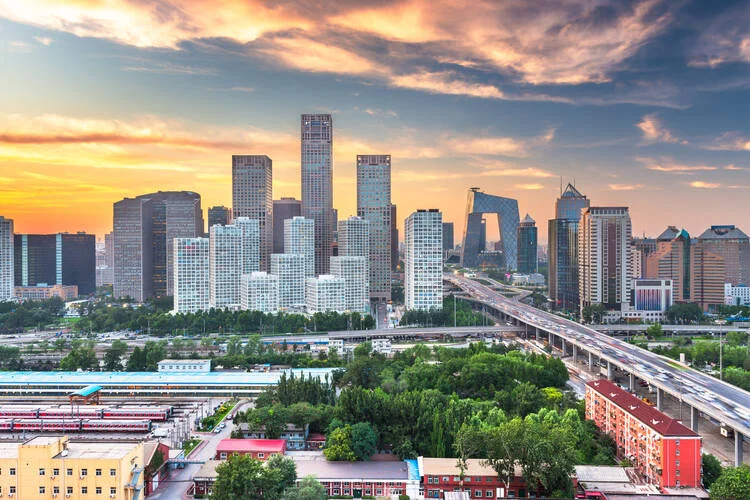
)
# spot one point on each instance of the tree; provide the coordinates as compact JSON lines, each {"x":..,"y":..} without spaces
{"x":732,"y":484}
{"x":339,"y":445}
{"x":737,"y":338}
{"x":245,"y":477}
{"x":309,"y":489}
{"x":286,"y":469}
{"x":82,"y":357}
{"x":113,"y":356}
{"x":364,"y":441}
{"x":654,"y":330}
{"x":711,"y":469}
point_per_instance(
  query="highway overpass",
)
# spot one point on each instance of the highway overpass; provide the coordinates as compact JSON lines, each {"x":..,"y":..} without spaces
{"x":674,"y":329}
{"x":399,"y":333}
{"x":723,"y":402}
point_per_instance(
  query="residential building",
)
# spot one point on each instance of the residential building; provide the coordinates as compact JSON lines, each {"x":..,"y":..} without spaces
{"x":353,"y":270}
{"x":671,"y":260}
{"x":326,"y":293}
{"x":382,"y":346}
{"x":527,"y":245}
{"x":260,"y":292}
{"x":317,"y":183}
{"x":533,"y":279}
{"x":442,"y":475}
{"x":225,"y":266}
{"x":52,"y":466}
{"x":219,"y":215}
{"x":44,"y":292}
{"x":733,"y":245}
{"x":261,"y":449}
{"x":191,"y":280}
{"x":423,"y":276}
{"x":394,"y":238}
{"x":361,"y":479}
{"x":7,"y":282}
{"x":604,"y":257}
{"x":205,"y":478}
{"x":283,"y":209}
{"x":736,"y":295}
{"x":56,"y":259}
{"x":299,"y":238}
{"x":374,"y":206}
{"x":604,"y":481}
{"x":252,"y":197}
{"x":563,"y":248}
{"x":290,"y":268}
{"x":707,"y":276}
{"x":145,"y":228}
{"x":251,"y":243}
{"x":475,"y":234}
{"x":641,"y":250}
{"x":636,"y":263}
{"x":666,"y":452}
{"x":184,"y":366}
{"x":354,"y":238}
{"x":294,"y":436}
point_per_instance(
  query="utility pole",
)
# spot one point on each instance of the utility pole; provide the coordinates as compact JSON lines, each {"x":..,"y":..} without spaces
{"x":721,"y":356}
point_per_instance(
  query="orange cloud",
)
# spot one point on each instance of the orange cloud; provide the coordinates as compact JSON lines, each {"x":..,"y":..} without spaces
{"x":625,"y":187}
{"x":705,"y":185}
{"x":654,"y":131}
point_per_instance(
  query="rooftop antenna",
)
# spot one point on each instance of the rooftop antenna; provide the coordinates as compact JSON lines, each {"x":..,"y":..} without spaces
{"x":561,"y":191}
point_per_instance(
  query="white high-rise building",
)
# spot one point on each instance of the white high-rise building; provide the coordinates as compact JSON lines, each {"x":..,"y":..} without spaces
{"x":374,"y":205}
{"x":252,"y":197}
{"x":423,"y":276}
{"x":354,"y":238}
{"x":225,"y":266}
{"x":191,"y":282}
{"x":7,"y":276}
{"x":260,"y":292}
{"x":326,"y":293}
{"x":354,"y":272}
{"x":251,"y":243}
{"x":299,"y":238}
{"x":604,"y":236}
{"x":290,"y":268}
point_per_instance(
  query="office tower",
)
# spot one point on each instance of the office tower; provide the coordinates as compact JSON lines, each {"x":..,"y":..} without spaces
{"x":283,"y":209}
{"x":354,"y":238}
{"x":260,"y":292}
{"x":191,"y":276}
{"x":252,"y":197}
{"x":251,"y":243}
{"x":219,"y":215}
{"x":374,"y":205}
{"x":733,"y":245}
{"x":563,"y":248}
{"x":144,"y":231}
{"x":290,"y":268}
{"x":671,"y":261}
{"x":56,"y":259}
{"x":7,"y":291}
{"x":527,"y":245}
{"x":423,"y":276}
{"x":448,"y":243}
{"x":474,"y":241}
{"x":326,"y":293}
{"x":354,"y":271}
{"x":394,"y":238}
{"x":707,"y":276}
{"x":109,"y":249}
{"x":225,"y":266}
{"x":604,"y":257}
{"x":299,"y":238}
{"x":317,"y":183}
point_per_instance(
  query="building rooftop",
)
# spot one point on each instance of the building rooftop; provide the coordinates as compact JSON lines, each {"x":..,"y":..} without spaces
{"x":324,"y":470}
{"x":9,"y":450}
{"x":612,"y":479}
{"x":98,"y":450}
{"x":449,"y":467}
{"x":252,"y":445}
{"x":728,"y":232}
{"x":668,"y":234}
{"x":571,"y":192}
{"x":87,"y":391}
{"x":207,"y":470}
{"x":648,"y":415}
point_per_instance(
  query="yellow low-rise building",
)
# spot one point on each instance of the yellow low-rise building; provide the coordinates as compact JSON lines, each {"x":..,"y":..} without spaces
{"x":51,"y":467}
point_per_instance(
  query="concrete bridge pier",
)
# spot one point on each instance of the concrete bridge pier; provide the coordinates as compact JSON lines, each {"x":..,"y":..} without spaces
{"x":591,"y":360}
{"x":738,"y":440}
{"x":694,"y":418}
{"x":659,"y":399}
{"x":610,"y":371}
{"x":550,"y":340}
{"x":631,"y":382}
{"x":564,"y":347}
{"x":575,"y":353}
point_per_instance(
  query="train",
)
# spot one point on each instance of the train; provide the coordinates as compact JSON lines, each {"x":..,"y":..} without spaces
{"x":155,"y":413}
{"x":74,"y":425}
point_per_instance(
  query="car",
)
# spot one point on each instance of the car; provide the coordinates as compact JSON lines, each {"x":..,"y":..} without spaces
{"x":217,"y":430}
{"x":223,"y":425}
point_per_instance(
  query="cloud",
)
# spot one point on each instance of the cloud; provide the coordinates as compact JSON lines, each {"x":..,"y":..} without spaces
{"x":705,"y":185}
{"x":46,"y":41}
{"x":165,"y":68}
{"x":725,"y":40}
{"x":498,"y":145}
{"x":529,"y":187}
{"x":654,"y":131}
{"x":518,"y":172}
{"x":625,"y":187}
{"x":670,"y":166}
{"x":380,"y":112}
{"x":445,"y":82}
{"x":730,"y":141}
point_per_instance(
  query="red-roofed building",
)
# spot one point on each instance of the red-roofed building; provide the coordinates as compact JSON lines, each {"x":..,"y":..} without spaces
{"x":261,"y":449}
{"x":666,"y":452}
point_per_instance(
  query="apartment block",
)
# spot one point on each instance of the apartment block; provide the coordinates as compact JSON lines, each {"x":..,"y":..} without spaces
{"x":260,"y":292}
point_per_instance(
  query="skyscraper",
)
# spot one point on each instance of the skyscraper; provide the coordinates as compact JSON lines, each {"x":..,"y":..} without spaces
{"x":356,"y":287}
{"x":354,"y":238}
{"x":252,"y":197}
{"x":290,"y":268}
{"x":260,"y":292}
{"x":250,"y":243}
{"x":326,"y":293}
{"x":733,"y":245}
{"x":671,"y":260}
{"x":527,"y":245}
{"x":220,"y":215}
{"x":707,"y":276}
{"x":317,"y":183}
{"x":283,"y":209}
{"x":563,"y":248}
{"x":475,"y":236}
{"x":423,"y":276}
{"x":448,"y":243}
{"x":374,"y":205}
{"x":144,"y":231}
{"x":394,"y":238}
{"x":7,"y":291}
{"x":604,"y":257}
{"x":191,"y":280}
{"x":225,"y":266}
{"x":299,"y":238}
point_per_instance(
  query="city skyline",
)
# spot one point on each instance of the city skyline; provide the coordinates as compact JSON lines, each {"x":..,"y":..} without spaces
{"x":643,"y":103}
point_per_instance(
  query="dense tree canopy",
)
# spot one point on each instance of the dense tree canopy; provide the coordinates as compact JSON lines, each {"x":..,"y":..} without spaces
{"x":732,"y":484}
{"x":244,"y":477}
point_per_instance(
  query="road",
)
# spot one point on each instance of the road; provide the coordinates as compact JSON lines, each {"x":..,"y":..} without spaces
{"x":461,"y":331}
{"x":725,"y":403}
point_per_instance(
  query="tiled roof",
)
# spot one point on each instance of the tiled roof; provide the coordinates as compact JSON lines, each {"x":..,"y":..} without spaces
{"x":648,"y":415}
{"x":353,"y":471}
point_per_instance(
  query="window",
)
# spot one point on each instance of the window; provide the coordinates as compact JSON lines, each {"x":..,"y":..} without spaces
{"x":488,"y":493}
{"x":56,"y":490}
{"x":84,"y":490}
{"x":677,"y":463}
{"x":55,"y":472}
{"x":69,"y":472}
{"x":98,"y":472}
{"x":478,"y":493}
{"x":12,"y":471}
{"x":12,"y":490}
{"x":112,"y":472}
{"x":113,"y":491}
{"x":677,"y":442}
{"x":445,"y":479}
{"x":677,"y":472}
{"x":261,"y":455}
{"x":84,"y":472}
{"x":69,"y":490}
{"x":677,"y":483}
{"x":456,"y":479}
{"x":42,"y":490}
{"x":41,"y":471}
{"x":98,"y":490}
{"x":677,"y":452}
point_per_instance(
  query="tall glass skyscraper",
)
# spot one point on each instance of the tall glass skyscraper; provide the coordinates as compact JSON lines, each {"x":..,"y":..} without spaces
{"x":317,"y":183}
{"x":374,"y":206}
{"x":527,"y":245}
{"x":252,"y":197}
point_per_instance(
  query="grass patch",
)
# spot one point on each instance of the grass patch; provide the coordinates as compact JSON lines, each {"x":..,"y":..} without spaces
{"x":190,"y":445}
{"x":210,"y":422}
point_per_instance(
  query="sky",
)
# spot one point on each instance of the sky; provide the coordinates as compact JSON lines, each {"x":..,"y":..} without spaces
{"x":640,"y":103}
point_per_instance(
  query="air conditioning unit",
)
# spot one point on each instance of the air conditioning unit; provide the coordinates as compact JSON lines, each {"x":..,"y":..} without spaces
{"x":54,"y":495}
{"x":111,"y":495}
{"x":83,"y":477}
{"x":67,"y":495}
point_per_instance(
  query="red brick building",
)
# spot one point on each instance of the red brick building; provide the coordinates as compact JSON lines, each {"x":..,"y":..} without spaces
{"x":441,"y":475}
{"x":666,"y":452}
{"x":261,"y":449}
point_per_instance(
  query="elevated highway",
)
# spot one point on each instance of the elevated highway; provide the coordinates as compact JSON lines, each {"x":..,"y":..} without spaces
{"x":399,"y":333}
{"x":724,"y":403}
